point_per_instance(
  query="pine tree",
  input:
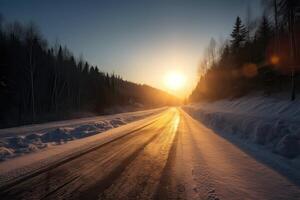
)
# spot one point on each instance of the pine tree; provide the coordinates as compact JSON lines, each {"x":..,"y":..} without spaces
{"x":225,"y":56}
{"x":48,"y":82}
{"x":86,"y":69}
{"x":264,"y":31}
{"x":262,"y":38}
{"x":238,"y":35}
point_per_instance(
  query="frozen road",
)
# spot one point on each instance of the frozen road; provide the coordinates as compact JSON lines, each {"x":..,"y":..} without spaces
{"x":170,"y":156}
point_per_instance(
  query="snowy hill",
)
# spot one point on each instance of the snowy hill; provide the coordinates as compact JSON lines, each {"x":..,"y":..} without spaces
{"x":269,"y":122}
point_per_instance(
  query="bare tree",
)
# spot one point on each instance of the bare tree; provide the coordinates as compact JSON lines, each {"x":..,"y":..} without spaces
{"x":287,"y":9}
{"x":250,"y":23}
{"x":211,"y":52}
{"x":271,"y":7}
{"x":32,"y":38}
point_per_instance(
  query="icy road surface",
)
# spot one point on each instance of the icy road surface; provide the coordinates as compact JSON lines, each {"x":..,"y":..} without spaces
{"x":166,"y":156}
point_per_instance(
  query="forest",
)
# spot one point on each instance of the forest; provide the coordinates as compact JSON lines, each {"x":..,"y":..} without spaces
{"x":40,"y":82}
{"x":261,"y":55}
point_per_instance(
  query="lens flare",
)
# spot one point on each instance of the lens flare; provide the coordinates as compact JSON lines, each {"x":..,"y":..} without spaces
{"x":275,"y":60}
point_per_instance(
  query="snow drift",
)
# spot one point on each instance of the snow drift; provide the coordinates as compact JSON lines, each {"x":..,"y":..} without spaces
{"x":271,"y":122}
{"x":34,"y":140}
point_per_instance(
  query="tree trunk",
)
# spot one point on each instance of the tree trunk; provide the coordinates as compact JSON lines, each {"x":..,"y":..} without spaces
{"x":276,"y":26}
{"x":32,"y":96}
{"x":31,"y":71}
{"x":293,"y":49}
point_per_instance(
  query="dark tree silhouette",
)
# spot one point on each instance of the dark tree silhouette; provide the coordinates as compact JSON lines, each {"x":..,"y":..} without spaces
{"x":259,"y":62}
{"x":238,"y":35}
{"x":40,"y":83}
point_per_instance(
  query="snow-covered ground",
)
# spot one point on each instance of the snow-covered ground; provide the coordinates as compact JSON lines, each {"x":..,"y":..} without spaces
{"x":23,"y":140}
{"x":269,"y":122}
{"x":168,"y":155}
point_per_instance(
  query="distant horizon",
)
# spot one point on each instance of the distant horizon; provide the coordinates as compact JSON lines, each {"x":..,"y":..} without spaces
{"x":141,"y":41}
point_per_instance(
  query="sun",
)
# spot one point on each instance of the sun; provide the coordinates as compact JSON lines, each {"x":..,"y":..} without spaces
{"x":174,"y":81}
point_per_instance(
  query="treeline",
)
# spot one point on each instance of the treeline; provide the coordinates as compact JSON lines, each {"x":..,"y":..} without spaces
{"x":261,"y":55}
{"x":41,"y":83}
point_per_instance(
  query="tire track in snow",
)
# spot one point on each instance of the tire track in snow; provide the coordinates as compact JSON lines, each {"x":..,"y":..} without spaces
{"x":37,"y":172}
{"x":186,"y":174}
{"x":141,"y":178}
{"x":114,"y":163}
{"x":163,"y":192}
{"x":200,"y":171}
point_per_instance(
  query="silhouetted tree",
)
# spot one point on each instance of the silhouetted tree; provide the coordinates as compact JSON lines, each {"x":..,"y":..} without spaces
{"x":38,"y":83}
{"x":287,"y":9}
{"x":238,"y":35}
{"x":255,"y":63}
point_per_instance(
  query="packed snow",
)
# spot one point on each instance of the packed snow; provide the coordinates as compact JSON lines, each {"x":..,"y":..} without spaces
{"x":19,"y":141}
{"x":269,"y":122}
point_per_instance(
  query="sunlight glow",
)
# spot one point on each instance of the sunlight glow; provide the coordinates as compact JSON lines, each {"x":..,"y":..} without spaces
{"x":174,"y":81}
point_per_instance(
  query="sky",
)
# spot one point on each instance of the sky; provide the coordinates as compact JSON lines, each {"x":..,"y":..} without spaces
{"x":141,"y":40}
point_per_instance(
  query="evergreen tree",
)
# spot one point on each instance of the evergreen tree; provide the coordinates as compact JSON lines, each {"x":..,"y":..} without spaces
{"x":264,"y":31}
{"x":248,"y":59}
{"x":262,"y":39}
{"x":44,"y":84}
{"x":225,"y":56}
{"x":238,"y":35}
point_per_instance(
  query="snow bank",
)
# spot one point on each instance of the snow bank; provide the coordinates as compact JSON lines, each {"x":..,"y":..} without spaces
{"x":270,"y":122}
{"x":36,"y":139}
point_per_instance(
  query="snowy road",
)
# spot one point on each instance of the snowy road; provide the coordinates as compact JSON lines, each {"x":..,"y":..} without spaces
{"x":169,"y":156}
